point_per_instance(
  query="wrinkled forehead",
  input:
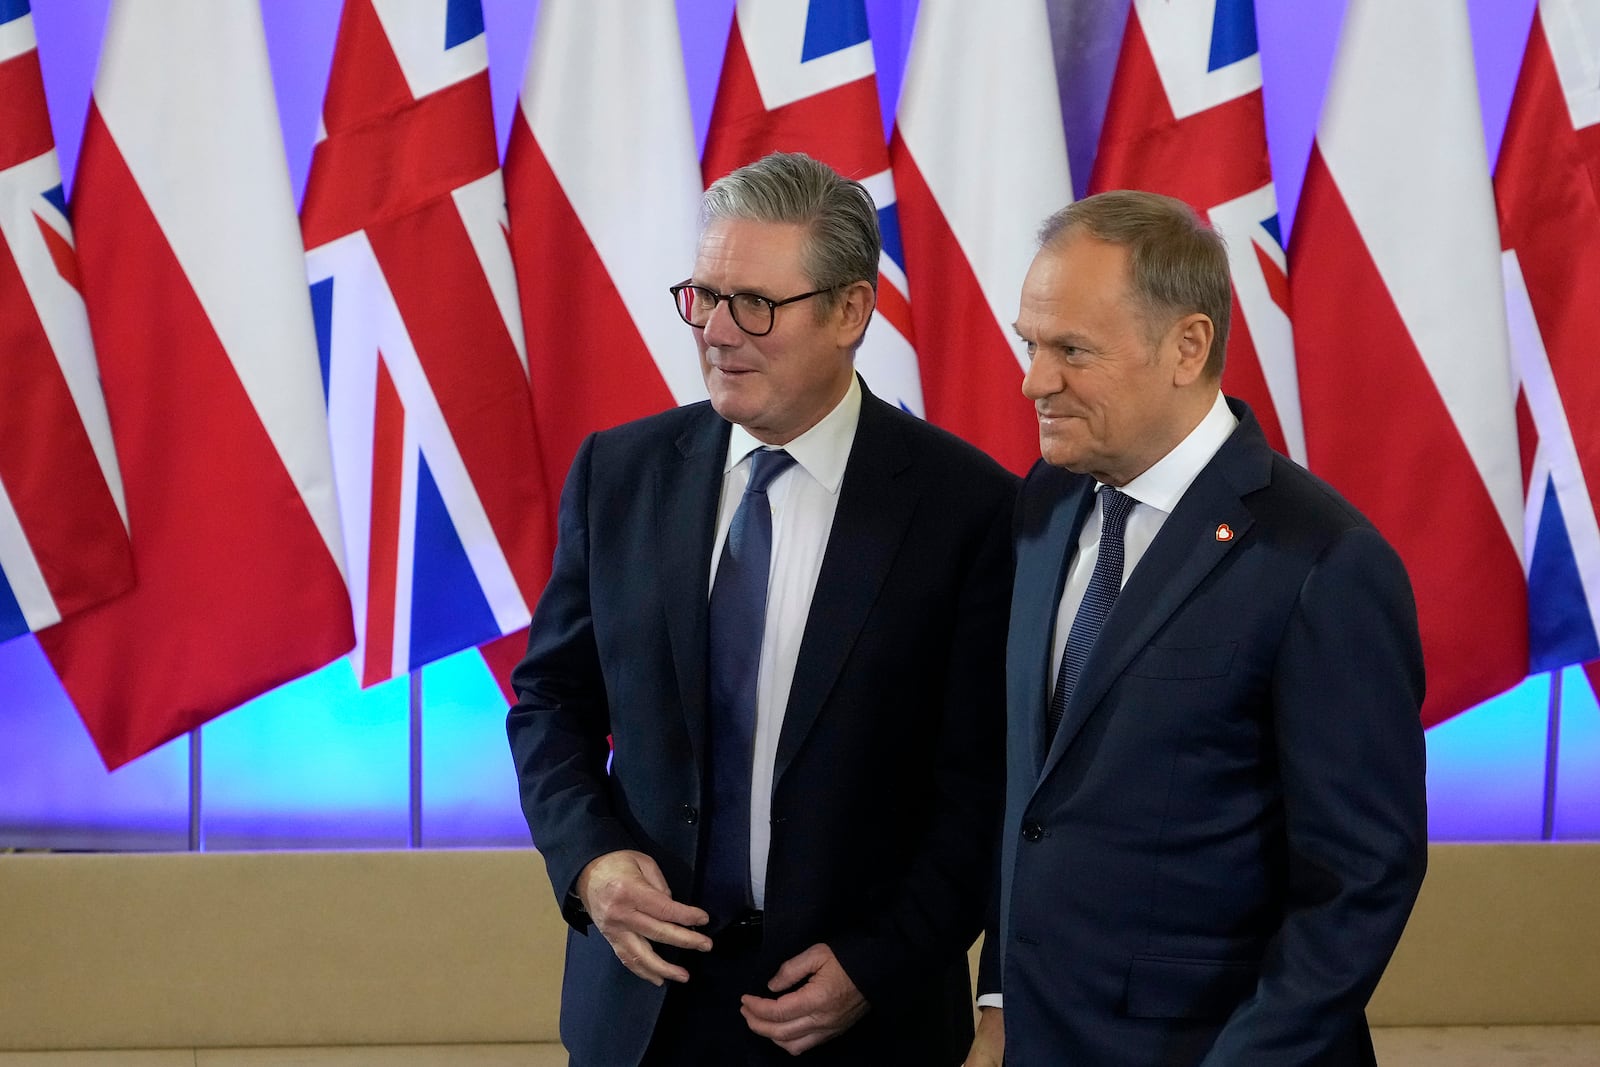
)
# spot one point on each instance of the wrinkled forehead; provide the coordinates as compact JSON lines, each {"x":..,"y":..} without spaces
{"x":748,"y":254}
{"x":1077,"y":262}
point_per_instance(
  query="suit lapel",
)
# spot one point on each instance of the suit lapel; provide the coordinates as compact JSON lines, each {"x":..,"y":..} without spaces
{"x":1186,"y":550}
{"x":687,"y":490}
{"x":875,"y":506}
{"x":1048,"y":529}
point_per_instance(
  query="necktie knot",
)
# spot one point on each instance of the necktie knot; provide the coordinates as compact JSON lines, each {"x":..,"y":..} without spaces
{"x":765,"y":465}
{"x":1114,"y":508}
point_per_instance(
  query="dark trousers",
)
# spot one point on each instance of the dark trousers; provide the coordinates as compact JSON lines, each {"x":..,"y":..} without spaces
{"x":700,"y":1022}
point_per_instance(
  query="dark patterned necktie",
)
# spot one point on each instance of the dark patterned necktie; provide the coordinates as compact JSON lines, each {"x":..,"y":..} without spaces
{"x":1104,"y":585}
{"x":738,"y":621}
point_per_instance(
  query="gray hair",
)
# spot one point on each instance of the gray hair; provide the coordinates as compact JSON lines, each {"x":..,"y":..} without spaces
{"x":791,"y":187}
{"x":1178,"y":264}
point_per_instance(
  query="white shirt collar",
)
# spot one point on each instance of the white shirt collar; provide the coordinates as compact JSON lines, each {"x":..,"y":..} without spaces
{"x":821,"y":451}
{"x":1170,"y":477}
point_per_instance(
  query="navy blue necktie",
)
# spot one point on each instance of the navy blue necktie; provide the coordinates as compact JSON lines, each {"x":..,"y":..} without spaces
{"x":738,"y":621}
{"x":1104,"y":585}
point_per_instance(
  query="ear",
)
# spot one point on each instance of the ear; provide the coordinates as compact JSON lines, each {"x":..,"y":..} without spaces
{"x":855,"y":309}
{"x":1192,"y":335}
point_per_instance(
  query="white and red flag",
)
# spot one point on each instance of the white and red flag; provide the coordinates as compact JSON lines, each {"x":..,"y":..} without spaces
{"x":1188,"y":89}
{"x":1400,"y":336}
{"x":980,"y":161}
{"x":63,"y":537}
{"x":799,"y":76}
{"x":1547,"y":184}
{"x":441,"y":492}
{"x":600,"y":226}
{"x":195,"y":285}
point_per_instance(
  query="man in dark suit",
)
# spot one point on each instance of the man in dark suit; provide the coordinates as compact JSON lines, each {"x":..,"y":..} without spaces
{"x":1215,"y":815}
{"x":790,"y":852}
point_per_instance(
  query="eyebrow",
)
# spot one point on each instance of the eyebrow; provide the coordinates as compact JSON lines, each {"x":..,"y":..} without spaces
{"x":737,"y":291}
{"x":1070,"y":338}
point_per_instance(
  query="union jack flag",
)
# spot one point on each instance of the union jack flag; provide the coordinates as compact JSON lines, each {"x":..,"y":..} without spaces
{"x":442,"y":496}
{"x":1185,"y":118}
{"x":63,"y":532}
{"x":1547,"y":186}
{"x":799,"y":77}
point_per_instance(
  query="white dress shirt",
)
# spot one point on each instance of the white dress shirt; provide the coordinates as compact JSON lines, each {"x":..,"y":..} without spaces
{"x":803,"y":500}
{"x":1155,"y":493}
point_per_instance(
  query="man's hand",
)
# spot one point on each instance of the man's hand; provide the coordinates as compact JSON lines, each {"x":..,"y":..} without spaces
{"x":825,"y":1004}
{"x":628,"y":899}
{"x":989,"y":1044}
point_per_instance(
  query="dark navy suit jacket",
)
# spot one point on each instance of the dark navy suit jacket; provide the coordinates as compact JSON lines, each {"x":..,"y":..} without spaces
{"x":887,"y":787}
{"x":1213,"y":861}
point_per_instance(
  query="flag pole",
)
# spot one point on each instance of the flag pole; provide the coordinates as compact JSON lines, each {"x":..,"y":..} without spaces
{"x":196,"y":838}
{"x":416,"y":759}
{"x":1552,"y":751}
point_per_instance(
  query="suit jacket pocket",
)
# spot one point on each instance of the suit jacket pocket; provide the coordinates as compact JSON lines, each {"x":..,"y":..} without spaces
{"x":1205,"y":661}
{"x":1169,"y":987}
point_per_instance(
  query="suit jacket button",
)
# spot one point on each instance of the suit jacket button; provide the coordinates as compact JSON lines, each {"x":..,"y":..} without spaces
{"x":691,"y":815}
{"x":1032,"y":831}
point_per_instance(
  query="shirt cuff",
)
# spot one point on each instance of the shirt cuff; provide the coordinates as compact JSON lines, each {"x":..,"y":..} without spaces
{"x":991,"y":1000}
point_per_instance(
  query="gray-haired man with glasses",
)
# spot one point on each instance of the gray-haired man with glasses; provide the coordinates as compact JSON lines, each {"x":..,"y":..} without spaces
{"x":787,"y":610}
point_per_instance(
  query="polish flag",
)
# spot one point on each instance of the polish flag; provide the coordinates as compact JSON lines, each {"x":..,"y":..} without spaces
{"x":600,"y":227}
{"x":63,"y":536}
{"x":442,"y":495}
{"x":799,"y":76}
{"x":192,"y":271}
{"x":1401,"y":338}
{"x":1188,"y":87}
{"x":980,"y":161}
{"x":1548,"y":188}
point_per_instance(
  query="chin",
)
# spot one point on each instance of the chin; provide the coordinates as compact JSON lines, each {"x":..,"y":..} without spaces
{"x":1056,"y":454}
{"x":732,"y":404}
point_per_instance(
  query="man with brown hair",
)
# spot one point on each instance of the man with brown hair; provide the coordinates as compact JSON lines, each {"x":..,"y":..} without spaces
{"x":1215,"y":816}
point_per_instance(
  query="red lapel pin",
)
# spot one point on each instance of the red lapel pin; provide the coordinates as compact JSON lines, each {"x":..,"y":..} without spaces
{"x":1224,"y":532}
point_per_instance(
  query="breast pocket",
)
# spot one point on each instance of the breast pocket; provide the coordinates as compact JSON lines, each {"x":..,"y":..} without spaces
{"x":1171,"y":987}
{"x":1204,"y":661}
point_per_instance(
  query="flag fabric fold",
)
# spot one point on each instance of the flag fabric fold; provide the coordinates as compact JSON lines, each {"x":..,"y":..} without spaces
{"x":979,"y":161}
{"x":600,"y":226}
{"x":799,"y":76}
{"x":1547,"y":185}
{"x":1188,"y":89}
{"x":194,"y":280}
{"x":442,"y":497}
{"x":1401,"y":339}
{"x":63,"y":536}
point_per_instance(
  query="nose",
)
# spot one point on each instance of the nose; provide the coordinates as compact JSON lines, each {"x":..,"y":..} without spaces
{"x":1039,"y":381}
{"x":720,"y":331}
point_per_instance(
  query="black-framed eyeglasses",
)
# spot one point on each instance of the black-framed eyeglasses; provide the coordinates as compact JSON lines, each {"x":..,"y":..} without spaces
{"x":753,"y":313}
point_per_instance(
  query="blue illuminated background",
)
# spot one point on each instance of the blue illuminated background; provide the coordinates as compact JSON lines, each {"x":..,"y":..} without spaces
{"x":319,"y":763}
